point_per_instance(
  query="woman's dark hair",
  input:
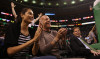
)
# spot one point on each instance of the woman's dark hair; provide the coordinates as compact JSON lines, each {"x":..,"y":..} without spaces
{"x":19,"y":18}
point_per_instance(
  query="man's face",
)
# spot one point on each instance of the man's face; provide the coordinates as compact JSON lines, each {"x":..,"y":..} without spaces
{"x":77,"y":32}
{"x":45,"y":20}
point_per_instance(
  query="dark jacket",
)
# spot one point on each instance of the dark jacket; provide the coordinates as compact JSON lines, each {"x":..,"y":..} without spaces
{"x":78,"y":48}
{"x":12,"y":35}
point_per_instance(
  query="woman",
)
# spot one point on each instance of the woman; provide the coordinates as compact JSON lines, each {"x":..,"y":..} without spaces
{"x":19,"y":37}
{"x":15,"y":15}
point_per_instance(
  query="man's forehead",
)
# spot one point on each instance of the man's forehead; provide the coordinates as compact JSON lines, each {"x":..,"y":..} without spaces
{"x":44,"y":17}
{"x":76,"y":29}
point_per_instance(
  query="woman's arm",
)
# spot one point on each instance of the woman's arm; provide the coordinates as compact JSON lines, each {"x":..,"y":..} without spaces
{"x":38,"y":17}
{"x":12,"y":50}
{"x":36,"y":45}
{"x":13,"y":10}
{"x":35,"y":48}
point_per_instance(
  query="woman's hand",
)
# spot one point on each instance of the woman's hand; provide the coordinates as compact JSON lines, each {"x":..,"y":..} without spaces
{"x":38,"y":32}
{"x":39,"y":15}
{"x":12,"y":5}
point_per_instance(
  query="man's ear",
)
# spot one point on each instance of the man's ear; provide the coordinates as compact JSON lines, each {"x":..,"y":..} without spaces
{"x":41,"y":22}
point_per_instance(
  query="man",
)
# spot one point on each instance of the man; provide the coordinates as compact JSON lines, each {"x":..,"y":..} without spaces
{"x":79,"y":47}
{"x":51,"y":41}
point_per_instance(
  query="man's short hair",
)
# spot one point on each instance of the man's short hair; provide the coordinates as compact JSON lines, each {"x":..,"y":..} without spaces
{"x":42,"y":16}
{"x":75,"y":28}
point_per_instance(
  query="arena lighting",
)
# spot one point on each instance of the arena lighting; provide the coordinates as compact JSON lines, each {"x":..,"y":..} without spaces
{"x":57,"y":4}
{"x":41,"y":3}
{"x":87,"y":17}
{"x":81,"y":0}
{"x":53,"y":21}
{"x":6,"y":13}
{"x":25,"y":0}
{"x":65,"y":3}
{"x":79,"y":24}
{"x":70,"y":25}
{"x":21,"y":1}
{"x":76,"y":19}
{"x":4,"y":23}
{"x":12,"y":21}
{"x":3,"y":19}
{"x":49,"y":13}
{"x":3,"y":13}
{"x":49,"y":3}
{"x":73,"y":2}
{"x":8,"y":20}
{"x":34,"y":1}
{"x":54,"y":26}
{"x":0,"y":18}
{"x":63,"y":20}
{"x":63,"y":25}
{"x":36,"y":25}
{"x":88,"y":23}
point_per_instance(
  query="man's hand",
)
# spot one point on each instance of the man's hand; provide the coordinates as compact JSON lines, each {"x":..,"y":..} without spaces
{"x":62,"y":32}
{"x":94,"y":53}
{"x":38,"y":32}
{"x":98,"y":51}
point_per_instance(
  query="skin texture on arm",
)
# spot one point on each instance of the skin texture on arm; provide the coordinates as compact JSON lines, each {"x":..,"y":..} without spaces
{"x":12,"y":50}
{"x":38,"y":17}
{"x":35,"y":48}
{"x":36,"y":45}
{"x":13,"y":10}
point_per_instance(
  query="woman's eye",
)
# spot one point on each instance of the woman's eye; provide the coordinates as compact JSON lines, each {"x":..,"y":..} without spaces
{"x":30,"y":13}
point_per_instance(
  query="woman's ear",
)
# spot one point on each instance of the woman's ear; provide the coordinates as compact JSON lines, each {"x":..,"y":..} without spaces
{"x":21,"y":15}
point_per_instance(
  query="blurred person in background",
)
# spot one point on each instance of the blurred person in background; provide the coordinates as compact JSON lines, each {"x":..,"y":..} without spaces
{"x":93,"y":37}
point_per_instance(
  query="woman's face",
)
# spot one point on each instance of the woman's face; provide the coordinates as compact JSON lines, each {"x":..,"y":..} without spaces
{"x":28,"y":16}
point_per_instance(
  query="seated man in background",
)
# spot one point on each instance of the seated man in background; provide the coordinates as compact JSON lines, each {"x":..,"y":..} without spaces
{"x":51,"y":41}
{"x":79,"y":46}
